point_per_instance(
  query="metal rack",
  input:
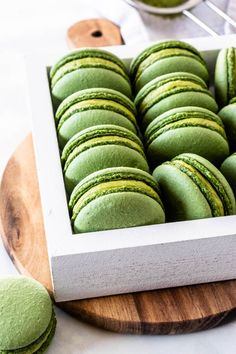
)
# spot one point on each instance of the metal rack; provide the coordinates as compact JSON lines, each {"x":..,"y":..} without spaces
{"x":185,"y":10}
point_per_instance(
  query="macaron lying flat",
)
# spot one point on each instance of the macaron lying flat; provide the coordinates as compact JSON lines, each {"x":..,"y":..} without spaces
{"x":167,"y":57}
{"x":95,"y":106}
{"x":228,"y":116}
{"x":186,"y":129}
{"x":225,"y":76}
{"x":193,"y":188}
{"x":171,"y":91}
{"x":100,"y":147}
{"x":87,"y":68}
{"x":115,"y":198}
{"x":228,"y":168}
{"x":27,"y":320}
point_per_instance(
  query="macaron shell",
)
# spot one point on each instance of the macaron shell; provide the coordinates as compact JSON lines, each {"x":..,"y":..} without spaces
{"x":228,"y":116}
{"x":182,"y":198}
{"x":119,"y":210}
{"x":169,"y":65}
{"x":89,"y":78}
{"x":221,"y":78}
{"x":82,"y":120}
{"x":100,"y":157}
{"x":228,"y":168}
{"x":198,"y":140}
{"x":181,"y":99}
{"x":23,"y":301}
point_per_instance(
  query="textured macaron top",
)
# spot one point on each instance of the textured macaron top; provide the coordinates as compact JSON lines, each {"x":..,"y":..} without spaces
{"x":112,"y":180}
{"x":95,"y":98}
{"x":209,"y":180}
{"x":97,"y":136}
{"x":25,"y":312}
{"x":184,"y":117}
{"x":87,"y":58}
{"x":163,"y":50}
{"x":167,"y":85}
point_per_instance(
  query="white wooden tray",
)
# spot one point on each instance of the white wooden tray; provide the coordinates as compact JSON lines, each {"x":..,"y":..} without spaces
{"x":124,"y":260}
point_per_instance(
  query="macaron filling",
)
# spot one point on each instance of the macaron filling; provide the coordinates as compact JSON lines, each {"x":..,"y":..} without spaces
{"x":231,"y":68}
{"x":85,"y":63}
{"x":111,"y":187}
{"x":213,"y":180}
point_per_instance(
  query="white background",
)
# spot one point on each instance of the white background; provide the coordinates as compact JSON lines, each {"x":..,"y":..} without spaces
{"x":28,"y":25}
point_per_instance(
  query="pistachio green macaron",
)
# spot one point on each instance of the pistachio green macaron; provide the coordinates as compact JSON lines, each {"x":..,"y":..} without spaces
{"x":186,"y":129}
{"x":172,"y":91}
{"x":163,"y":3}
{"x":193,"y":188}
{"x":167,"y":57}
{"x":228,"y":116}
{"x":100,"y":147}
{"x":115,"y":198}
{"x":27,"y":320}
{"x":225,"y":76}
{"x":91,"y":107}
{"x":87,"y":68}
{"x":228,"y":168}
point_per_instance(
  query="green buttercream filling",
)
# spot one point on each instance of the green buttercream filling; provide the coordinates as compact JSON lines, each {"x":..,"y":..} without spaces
{"x":231,"y":72}
{"x":108,"y":176}
{"x":114,"y":187}
{"x":102,"y":140}
{"x":85,"y":63}
{"x":204,"y":185}
{"x":167,"y":89}
{"x":40,"y":345}
{"x":163,"y":3}
{"x":97,"y":132}
{"x":186,"y":123}
{"x":216,"y":184}
{"x":163,"y":54}
{"x":97,"y":104}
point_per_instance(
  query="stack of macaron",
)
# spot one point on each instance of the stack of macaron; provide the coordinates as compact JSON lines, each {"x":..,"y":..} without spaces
{"x":102,"y":128}
{"x":104,"y":164}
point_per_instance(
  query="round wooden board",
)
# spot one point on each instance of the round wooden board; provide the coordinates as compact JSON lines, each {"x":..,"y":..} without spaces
{"x":177,"y":310}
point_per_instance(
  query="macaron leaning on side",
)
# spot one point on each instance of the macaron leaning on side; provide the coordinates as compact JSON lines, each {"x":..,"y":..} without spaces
{"x":100,"y":147}
{"x":95,"y":106}
{"x":225,"y":76}
{"x":228,"y":116}
{"x":115,"y":198}
{"x":172,"y":91}
{"x":27,"y":320}
{"x":186,"y":129}
{"x":228,"y":168}
{"x":193,"y":188}
{"x":87,"y":68}
{"x":167,"y":57}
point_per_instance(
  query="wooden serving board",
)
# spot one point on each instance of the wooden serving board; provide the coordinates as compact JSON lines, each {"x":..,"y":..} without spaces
{"x":177,"y":310}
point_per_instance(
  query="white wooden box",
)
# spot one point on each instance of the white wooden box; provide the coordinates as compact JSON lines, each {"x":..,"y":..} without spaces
{"x":124,"y":260}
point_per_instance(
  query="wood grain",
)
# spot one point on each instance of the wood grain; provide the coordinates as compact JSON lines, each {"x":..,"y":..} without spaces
{"x":93,"y":32}
{"x":178,"y":310}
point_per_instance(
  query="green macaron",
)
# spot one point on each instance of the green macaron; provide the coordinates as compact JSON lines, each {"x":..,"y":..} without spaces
{"x":163,"y":3}
{"x":186,"y":129}
{"x":27,"y":320}
{"x":100,"y":147}
{"x":167,"y":57}
{"x":228,"y":116}
{"x":87,"y":68}
{"x":90,"y":107}
{"x":115,"y":198}
{"x":225,"y":76}
{"x":193,"y":188}
{"x":172,"y":91}
{"x":228,"y":168}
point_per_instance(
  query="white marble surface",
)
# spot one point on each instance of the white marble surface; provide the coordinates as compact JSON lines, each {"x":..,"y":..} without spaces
{"x":27,"y":25}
